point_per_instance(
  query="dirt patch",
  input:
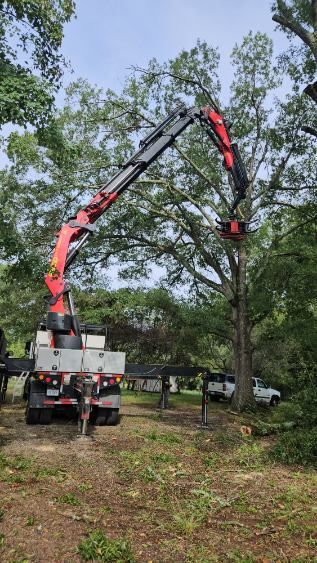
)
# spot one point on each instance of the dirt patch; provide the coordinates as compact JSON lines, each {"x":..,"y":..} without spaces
{"x":175,"y":492}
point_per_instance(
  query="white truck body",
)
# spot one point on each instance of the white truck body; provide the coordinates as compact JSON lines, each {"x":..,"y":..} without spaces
{"x":222,"y":386}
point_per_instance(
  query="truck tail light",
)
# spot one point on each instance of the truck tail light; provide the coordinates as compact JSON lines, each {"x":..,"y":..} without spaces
{"x":48,"y":379}
{"x":112,"y":381}
{"x":224,"y":387}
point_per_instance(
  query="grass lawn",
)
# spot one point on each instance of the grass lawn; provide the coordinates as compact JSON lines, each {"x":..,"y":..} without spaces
{"x":155,"y":488}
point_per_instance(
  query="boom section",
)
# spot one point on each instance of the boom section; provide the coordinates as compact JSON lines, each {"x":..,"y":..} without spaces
{"x":79,"y":228}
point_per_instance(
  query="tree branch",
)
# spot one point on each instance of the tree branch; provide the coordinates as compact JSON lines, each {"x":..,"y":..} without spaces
{"x":196,"y":82}
{"x":285,"y":19}
{"x":201,"y":173}
{"x":307,"y":128}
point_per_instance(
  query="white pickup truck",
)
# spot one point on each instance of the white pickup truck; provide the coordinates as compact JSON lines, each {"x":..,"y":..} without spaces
{"x":222,"y":385}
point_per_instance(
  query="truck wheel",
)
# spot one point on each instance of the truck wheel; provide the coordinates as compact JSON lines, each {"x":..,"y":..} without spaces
{"x":26,"y":388}
{"x":32,"y":416}
{"x":45,"y":416}
{"x":101,"y":417}
{"x":113,"y":417}
{"x":274,"y":401}
{"x":214,"y":397}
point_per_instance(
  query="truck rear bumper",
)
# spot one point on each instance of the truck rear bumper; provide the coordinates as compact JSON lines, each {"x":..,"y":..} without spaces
{"x":108,"y":402}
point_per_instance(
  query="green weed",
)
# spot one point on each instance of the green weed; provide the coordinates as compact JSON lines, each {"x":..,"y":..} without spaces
{"x":186,"y":523}
{"x":83,"y":487}
{"x":105,"y":510}
{"x":196,"y":508}
{"x":30,"y":521}
{"x":162,"y":458}
{"x":237,"y":557}
{"x":97,"y":547}
{"x":149,"y":474}
{"x":69,"y":498}
{"x":15,"y":479}
{"x":166,"y":438}
{"x":46,"y":472}
{"x":201,"y":555}
{"x":20,"y":463}
{"x":211,"y":460}
{"x":227,"y":439}
{"x":312,"y":542}
{"x":250,"y":455}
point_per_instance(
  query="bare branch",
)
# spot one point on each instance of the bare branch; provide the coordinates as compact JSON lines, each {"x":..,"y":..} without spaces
{"x":196,"y":82}
{"x":226,"y":248}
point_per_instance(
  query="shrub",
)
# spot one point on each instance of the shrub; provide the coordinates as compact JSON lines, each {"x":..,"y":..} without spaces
{"x":297,"y":447}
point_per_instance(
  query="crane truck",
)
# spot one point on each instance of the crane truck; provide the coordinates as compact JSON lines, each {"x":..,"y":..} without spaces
{"x":69,"y":367}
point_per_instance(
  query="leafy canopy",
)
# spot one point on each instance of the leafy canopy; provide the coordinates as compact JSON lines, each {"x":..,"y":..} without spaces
{"x":31,"y":66}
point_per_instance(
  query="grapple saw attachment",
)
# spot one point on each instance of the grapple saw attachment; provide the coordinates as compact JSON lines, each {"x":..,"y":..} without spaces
{"x":234,"y":229}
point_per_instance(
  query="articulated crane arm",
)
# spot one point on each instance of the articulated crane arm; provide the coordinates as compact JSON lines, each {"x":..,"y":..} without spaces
{"x":65,"y":327}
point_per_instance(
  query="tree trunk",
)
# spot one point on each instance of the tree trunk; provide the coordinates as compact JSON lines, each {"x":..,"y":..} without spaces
{"x":243,"y":398}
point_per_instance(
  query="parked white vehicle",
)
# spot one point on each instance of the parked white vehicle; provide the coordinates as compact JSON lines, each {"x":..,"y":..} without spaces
{"x":222,"y":385}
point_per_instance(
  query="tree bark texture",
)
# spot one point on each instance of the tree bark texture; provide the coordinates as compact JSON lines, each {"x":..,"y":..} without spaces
{"x":243,"y":398}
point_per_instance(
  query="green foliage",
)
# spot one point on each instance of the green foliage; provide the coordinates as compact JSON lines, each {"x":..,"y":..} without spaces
{"x":37,"y":29}
{"x":154,"y":326}
{"x":298,"y":447}
{"x":166,"y":438}
{"x":24,"y":98}
{"x":69,"y":498}
{"x":100,"y":548}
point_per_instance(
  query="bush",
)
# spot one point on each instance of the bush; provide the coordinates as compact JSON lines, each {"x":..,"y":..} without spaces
{"x":298,"y":447}
{"x":97,"y":547}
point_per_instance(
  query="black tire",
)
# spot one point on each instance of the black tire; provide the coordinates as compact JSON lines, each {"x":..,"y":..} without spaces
{"x":214,"y":397}
{"x":100,"y":418}
{"x":274,"y":401}
{"x":26,"y":388}
{"x":113,"y":417}
{"x":32,"y":416}
{"x":45,"y":416}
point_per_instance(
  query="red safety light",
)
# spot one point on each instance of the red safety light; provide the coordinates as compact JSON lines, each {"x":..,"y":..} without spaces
{"x":48,"y":379}
{"x":112,"y":381}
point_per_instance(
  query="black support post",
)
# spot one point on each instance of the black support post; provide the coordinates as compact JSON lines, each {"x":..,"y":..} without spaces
{"x":204,"y":402}
{"x":163,"y":402}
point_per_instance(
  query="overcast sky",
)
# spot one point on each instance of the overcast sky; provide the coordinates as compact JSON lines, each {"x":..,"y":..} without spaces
{"x":109,"y":36}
